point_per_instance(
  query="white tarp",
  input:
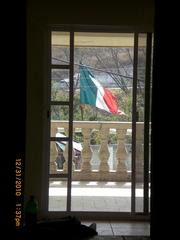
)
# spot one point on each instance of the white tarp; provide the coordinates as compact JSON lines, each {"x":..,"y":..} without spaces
{"x":76,"y":145}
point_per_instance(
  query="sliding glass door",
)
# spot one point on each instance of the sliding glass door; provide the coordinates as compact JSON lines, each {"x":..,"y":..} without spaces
{"x":99,"y":122}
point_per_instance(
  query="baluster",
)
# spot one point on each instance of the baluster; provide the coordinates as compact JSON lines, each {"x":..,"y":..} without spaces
{"x":65,"y":165}
{"x":139,"y":151}
{"x":121,"y":153}
{"x":73,"y":152}
{"x":86,"y":152}
{"x":53,"y":153}
{"x":104,"y":152}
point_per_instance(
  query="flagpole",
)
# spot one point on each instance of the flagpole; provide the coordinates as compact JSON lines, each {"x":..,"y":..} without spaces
{"x":96,"y":114}
{"x":82,"y":117}
{"x":81,"y":106}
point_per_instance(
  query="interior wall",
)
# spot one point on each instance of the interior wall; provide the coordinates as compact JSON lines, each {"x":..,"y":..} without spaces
{"x":132,"y":14}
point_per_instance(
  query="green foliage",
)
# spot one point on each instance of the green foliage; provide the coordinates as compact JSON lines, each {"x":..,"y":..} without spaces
{"x":115,"y":60}
{"x":95,"y":138}
{"x":91,"y":113}
{"x":112,"y":138}
{"x":78,"y":137}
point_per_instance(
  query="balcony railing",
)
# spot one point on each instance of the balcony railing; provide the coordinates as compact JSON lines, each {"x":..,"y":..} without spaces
{"x":103,"y":162}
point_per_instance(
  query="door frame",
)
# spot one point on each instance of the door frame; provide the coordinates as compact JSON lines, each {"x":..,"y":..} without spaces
{"x":46,"y":138}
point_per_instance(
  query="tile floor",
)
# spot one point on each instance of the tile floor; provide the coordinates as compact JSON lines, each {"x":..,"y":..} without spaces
{"x":115,"y":228}
{"x":95,"y":196}
{"x":101,"y":196}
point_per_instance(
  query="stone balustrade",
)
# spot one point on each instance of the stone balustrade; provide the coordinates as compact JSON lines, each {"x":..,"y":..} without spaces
{"x":105,"y":161}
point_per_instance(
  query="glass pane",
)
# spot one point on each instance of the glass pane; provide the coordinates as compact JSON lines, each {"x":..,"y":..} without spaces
{"x":60,"y":47}
{"x":59,"y":120}
{"x":109,"y":58}
{"x":57,"y":194}
{"x":103,"y":182}
{"x":150,"y":124}
{"x":101,"y":196}
{"x":86,"y":39}
{"x":58,"y":157}
{"x":140,"y":101}
{"x":59,"y":85}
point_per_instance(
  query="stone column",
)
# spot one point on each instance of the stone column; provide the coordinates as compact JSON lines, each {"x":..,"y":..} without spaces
{"x":73,"y":152}
{"x":121,"y":153}
{"x":139,"y":152}
{"x":104,"y":152}
{"x":65,"y":153}
{"x":86,"y":152}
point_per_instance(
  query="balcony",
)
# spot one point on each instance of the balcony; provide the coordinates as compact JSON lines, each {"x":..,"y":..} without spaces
{"x":102,"y":181}
{"x":103,"y":162}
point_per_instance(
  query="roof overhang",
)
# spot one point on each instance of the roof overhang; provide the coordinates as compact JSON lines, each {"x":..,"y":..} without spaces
{"x":91,"y":39}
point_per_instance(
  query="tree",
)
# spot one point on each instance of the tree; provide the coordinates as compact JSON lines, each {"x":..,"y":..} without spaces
{"x":117,"y":63}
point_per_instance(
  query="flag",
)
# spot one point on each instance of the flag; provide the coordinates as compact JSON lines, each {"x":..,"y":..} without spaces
{"x":93,"y":93}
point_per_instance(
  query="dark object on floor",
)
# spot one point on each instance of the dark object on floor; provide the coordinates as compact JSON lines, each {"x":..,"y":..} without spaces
{"x":31,"y":213}
{"x":136,"y":237}
{"x":118,"y":238}
{"x":93,"y":226}
{"x":63,"y":228}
